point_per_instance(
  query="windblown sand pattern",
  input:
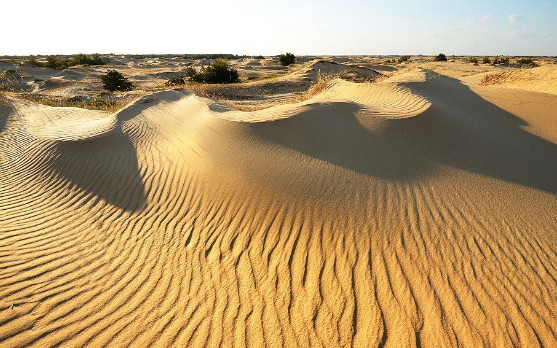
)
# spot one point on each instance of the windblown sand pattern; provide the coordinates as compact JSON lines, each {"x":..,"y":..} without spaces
{"x":393,"y":214}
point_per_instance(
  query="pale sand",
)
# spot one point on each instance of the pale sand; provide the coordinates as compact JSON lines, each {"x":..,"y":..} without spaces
{"x":411,"y":212}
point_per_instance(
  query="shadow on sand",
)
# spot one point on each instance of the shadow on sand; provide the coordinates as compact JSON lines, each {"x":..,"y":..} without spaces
{"x":460,"y":130}
{"x":107,"y":167}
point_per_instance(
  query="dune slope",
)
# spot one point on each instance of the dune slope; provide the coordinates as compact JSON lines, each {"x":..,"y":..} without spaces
{"x":409,"y":213}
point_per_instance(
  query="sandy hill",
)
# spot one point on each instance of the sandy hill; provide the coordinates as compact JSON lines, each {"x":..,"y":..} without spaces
{"x":541,"y":79}
{"x":415,"y":211}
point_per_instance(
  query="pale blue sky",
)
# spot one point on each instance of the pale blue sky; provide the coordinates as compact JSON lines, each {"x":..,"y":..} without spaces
{"x":271,"y":27}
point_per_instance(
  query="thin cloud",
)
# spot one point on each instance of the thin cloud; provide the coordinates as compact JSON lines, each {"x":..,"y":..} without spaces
{"x":481,"y":19}
{"x":515,"y":17}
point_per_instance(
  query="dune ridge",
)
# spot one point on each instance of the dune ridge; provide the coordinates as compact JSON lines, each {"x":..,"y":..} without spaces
{"x":404,"y":213}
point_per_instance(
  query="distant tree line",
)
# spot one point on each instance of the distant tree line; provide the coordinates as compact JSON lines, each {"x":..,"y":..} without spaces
{"x":60,"y":62}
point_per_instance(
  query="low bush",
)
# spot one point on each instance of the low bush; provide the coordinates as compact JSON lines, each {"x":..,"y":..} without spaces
{"x":218,"y":72}
{"x":501,"y":60}
{"x":114,"y":81}
{"x":403,"y":59}
{"x":175,"y":81}
{"x":486,"y":60}
{"x":32,"y":61}
{"x":286,"y":59}
{"x":440,"y":58}
{"x":473,"y":60}
{"x":525,"y":61}
{"x":55,"y":62}
{"x":82,"y":59}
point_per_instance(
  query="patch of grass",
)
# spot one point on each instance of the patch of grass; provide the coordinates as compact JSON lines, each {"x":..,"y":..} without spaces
{"x":107,"y":103}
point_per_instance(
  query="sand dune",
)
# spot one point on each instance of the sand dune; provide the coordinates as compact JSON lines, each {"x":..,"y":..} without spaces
{"x":541,"y":79}
{"x":416,"y":211}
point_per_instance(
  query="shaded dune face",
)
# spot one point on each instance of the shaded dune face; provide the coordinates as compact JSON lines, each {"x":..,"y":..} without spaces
{"x":107,"y":168}
{"x":330,"y":227}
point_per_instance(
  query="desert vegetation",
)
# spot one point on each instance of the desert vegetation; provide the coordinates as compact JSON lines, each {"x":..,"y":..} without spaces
{"x":286,"y":59}
{"x":59,"y":62}
{"x":402,"y":59}
{"x":528,"y":62}
{"x":473,"y":60}
{"x":176,"y":80}
{"x":501,"y":60}
{"x":440,"y":58}
{"x":486,"y":60}
{"x":219,"y":71}
{"x":115,"y":81}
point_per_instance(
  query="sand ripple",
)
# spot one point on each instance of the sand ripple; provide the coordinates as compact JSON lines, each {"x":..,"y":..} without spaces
{"x":325,"y":227}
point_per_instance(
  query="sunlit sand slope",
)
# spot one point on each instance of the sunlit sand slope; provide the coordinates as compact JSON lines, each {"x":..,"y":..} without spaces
{"x":404,"y":214}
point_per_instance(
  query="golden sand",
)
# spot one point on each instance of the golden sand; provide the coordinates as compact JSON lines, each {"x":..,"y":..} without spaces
{"x":416,"y":211}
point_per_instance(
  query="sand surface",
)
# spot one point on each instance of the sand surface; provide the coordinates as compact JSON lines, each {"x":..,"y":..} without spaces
{"x":415,"y":211}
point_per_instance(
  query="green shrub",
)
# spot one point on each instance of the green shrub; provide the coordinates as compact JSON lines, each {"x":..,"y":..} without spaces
{"x":53,"y":62}
{"x":473,"y":60}
{"x":218,"y":72}
{"x":286,"y":59}
{"x":501,"y":60}
{"x":525,"y":61}
{"x":32,"y":61}
{"x":82,"y":59}
{"x":486,"y":60}
{"x":259,"y":57}
{"x":175,"y":81}
{"x":114,"y":81}
{"x":440,"y":58}
{"x":403,"y":59}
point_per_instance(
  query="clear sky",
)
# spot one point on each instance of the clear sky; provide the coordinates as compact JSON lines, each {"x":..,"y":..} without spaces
{"x":304,"y":27}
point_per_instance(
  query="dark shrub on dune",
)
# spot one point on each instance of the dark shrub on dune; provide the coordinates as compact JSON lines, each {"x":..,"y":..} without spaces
{"x":473,"y":60}
{"x":501,"y":60}
{"x":82,"y":59}
{"x":403,"y":59}
{"x":286,"y":59}
{"x":175,"y":81}
{"x":440,"y":58}
{"x":114,"y":81}
{"x":486,"y":60}
{"x":529,"y":62}
{"x":218,"y":72}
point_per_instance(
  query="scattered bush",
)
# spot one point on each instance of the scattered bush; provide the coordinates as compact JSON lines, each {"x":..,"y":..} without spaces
{"x":55,"y":62}
{"x":473,"y":60}
{"x":114,"y":81}
{"x":501,"y":60}
{"x":440,"y":58}
{"x":403,"y":59}
{"x":32,"y":61}
{"x":286,"y":59}
{"x":175,"y":81}
{"x":486,"y":60}
{"x":259,"y":57}
{"x":526,"y":61}
{"x":218,"y":72}
{"x":81,"y":59}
